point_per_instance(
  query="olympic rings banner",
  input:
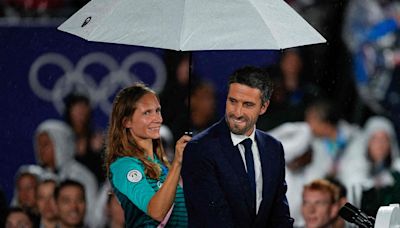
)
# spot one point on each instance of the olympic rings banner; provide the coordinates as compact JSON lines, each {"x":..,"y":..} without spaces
{"x":40,"y":65}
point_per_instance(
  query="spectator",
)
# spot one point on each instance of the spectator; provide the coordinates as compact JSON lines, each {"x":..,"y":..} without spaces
{"x":202,"y":109}
{"x":26,"y":181}
{"x":202,"y":106}
{"x":89,"y":143}
{"x":71,"y":204}
{"x":371,"y":33}
{"x":174,"y":96}
{"x":332,"y":136}
{"x":320,"y":204}
{"x":46,"y":203}
{"x":377,"y":170}
{"x":291,"y":92}
{"x":18,"y":218}
{"x":55,"y":148}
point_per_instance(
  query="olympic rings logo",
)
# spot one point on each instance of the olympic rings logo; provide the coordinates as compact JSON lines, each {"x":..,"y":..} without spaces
{"x":76,"y":79}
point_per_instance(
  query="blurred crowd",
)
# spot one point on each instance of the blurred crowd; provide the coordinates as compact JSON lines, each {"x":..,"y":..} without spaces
{"x":335,"y":108}
{"x":39,"y":8}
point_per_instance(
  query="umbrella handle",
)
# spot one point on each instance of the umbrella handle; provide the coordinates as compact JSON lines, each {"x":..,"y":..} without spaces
{"x":190,"y":82}
{"x":189,"y":131}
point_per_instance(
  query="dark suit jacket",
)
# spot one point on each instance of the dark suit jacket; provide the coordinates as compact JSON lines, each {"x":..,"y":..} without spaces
{"x":216,"y":185}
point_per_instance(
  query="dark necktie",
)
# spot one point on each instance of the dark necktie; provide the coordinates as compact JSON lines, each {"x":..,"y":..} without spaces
{"x":248,"y":154}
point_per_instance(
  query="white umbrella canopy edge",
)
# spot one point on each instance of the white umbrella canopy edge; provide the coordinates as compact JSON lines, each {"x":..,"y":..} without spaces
{"x":245,"y":25}
{"x":191,"y":25}
{"x":291,"y":30}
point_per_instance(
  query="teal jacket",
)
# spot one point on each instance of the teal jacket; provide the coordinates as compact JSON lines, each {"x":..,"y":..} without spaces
{"x":134,"y":191}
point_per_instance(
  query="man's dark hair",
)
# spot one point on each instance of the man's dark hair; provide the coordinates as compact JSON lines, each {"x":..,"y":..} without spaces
{"x":255,"y":78}
{"x":68,"y":183}
{"x":326,"y":110}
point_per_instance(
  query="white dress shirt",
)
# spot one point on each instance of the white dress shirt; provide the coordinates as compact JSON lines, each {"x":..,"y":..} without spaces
{"x":237,"y":139}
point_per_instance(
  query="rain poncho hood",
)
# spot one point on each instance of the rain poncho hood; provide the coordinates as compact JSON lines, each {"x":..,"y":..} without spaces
{"x":63,"y":140}
{"x":376,"y":124}
{"x":34,"y":170}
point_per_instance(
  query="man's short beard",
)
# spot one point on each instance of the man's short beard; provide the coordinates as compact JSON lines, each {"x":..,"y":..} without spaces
{"x":235,"y":129}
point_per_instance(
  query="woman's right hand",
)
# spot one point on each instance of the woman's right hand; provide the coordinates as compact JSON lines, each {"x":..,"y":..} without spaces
{"x":163,"y":199}
{"x":180,"y":147}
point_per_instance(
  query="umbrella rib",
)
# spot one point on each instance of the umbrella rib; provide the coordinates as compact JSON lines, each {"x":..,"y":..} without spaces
{"x":266,"y":24}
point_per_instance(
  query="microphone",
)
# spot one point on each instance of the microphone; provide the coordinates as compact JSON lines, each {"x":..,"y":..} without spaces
{"x":354,"y":215}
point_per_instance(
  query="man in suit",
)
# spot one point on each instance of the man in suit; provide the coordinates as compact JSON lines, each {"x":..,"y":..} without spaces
{"x":234,"y":174}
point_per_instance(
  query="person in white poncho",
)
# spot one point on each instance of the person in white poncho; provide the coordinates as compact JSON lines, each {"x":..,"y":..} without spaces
{"x":372,"y":174}
{"x":55,"y":148}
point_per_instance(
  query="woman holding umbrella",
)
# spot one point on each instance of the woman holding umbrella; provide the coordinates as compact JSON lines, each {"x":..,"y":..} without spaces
{"x":146,"y":185}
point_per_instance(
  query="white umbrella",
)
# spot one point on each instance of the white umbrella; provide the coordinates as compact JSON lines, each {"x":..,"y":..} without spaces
{"x":193,"y":25}
{"x":190,"y":25}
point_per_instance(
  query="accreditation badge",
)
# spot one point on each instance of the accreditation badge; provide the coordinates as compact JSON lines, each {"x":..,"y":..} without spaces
{"x":134,"y":176}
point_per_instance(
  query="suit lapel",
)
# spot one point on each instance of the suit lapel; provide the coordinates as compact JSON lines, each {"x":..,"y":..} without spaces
{"x":264,"y":160}
{"x":266,"y":167}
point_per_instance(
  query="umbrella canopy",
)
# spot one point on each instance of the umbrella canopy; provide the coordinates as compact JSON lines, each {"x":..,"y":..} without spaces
{"x":190,"y":25}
